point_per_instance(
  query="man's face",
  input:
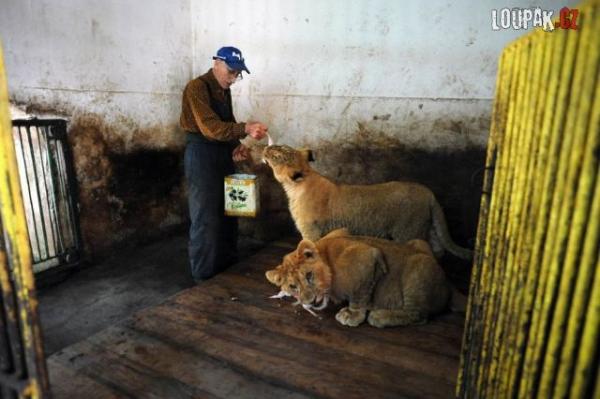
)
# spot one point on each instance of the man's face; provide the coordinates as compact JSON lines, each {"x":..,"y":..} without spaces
{"x":225,"y":75}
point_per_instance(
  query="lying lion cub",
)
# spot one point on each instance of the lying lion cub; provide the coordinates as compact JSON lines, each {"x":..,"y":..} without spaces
{"x":397,"y":210}
{"x":397,"y":284}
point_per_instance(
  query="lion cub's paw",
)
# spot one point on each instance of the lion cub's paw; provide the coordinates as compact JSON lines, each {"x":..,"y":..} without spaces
{"x":351,"y":317}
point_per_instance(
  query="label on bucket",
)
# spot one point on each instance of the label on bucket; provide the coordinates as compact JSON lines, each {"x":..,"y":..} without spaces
{"x":241,"y":195}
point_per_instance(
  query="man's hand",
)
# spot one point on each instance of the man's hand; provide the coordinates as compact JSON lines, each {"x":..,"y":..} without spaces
{"x":241,"y":153}
{"x":256,"y":130}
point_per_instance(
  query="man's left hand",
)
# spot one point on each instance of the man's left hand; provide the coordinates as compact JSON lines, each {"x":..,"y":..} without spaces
{"x":241,"y":153}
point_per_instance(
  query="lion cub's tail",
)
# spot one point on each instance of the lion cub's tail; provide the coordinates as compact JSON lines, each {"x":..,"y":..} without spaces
{"x":441,"y":230}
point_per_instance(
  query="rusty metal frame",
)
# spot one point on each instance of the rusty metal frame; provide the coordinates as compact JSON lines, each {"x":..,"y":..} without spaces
{"x":50,"y":192}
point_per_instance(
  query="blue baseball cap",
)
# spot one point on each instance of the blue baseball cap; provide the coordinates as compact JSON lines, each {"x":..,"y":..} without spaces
{"x":232,"y":57}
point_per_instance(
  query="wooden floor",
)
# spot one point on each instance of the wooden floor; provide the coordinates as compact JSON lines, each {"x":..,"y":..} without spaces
{"x":225,"y":339}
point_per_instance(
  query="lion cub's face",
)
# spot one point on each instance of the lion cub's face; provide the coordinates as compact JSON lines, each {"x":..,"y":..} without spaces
{"x":303,"y":274}
{"x":289,"y":165}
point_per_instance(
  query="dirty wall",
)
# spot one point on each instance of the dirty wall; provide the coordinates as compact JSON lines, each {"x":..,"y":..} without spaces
{"x":115,"y":70}
{"x":379,"y":89}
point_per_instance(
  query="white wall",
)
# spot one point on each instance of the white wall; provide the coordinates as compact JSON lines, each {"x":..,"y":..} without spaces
{"x":422,"y":72}
{"x":123,"y":60}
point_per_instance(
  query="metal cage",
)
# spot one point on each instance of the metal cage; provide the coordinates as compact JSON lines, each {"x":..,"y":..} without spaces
{"x":533,"y":321}
{"x":49,"y":192}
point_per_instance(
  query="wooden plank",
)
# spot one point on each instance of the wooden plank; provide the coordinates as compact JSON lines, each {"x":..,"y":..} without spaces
{"x":225,"y":338}
{"x":256,"y":292}
{"x":128,"y":378}
{"x":283,"y":359}
{"x":282,"y":316}
{"x":212,"y":377}
{"x":288,"y":365}
{"x":332,"y":335}
{"x":64,"y":382}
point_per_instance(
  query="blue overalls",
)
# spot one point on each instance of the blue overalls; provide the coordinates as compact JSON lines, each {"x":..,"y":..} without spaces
{"x":213,"y":236}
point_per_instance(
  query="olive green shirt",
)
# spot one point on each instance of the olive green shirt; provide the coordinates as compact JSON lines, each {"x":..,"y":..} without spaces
{"x":197,"y":116}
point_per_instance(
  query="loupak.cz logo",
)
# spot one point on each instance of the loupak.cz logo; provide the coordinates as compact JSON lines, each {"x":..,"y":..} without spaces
{"x":524,"y":18}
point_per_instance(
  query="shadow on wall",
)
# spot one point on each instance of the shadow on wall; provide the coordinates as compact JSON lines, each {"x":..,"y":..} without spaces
{"x":125,"y":196}
{"x":131,"y":193}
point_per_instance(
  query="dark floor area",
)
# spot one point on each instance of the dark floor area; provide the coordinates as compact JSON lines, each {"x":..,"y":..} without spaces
{"x":97,"y":296}
{"x":224,"y":338}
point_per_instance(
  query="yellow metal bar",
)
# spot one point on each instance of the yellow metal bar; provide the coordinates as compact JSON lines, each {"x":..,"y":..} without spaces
{"x":540,"y":200}
{"x":554,"y":251}
{"x":523,"y":236}
{"x":534,"y":315}
{"x":527,"y":156}
{"x":588,"y":343}
{"x":549,"y":237}
{"x":506,"y":226}
{"x":589,"y":265}
{"x":573,"y":214}
{"x":584,"y":344}
{"x":507,"y":270}
{"x":501,"y":228}
{"x":16,"y":239}
{"x":494,"y":241}
{"x":588,"y":242}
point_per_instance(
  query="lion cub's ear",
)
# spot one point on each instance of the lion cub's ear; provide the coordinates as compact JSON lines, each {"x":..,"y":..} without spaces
{"x":274,"y":276}
{"x":306,"y":250}
{"x":307,"y":155}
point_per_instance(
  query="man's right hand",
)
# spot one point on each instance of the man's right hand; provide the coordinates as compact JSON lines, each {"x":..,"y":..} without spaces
{"x":256,"y":130}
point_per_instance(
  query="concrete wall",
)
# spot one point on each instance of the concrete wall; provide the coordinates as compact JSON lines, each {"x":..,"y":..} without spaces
{"x":323,"y":70}
{"x":125,"y":61}
{"x":115,"y":70}
{"x":380,"y":89}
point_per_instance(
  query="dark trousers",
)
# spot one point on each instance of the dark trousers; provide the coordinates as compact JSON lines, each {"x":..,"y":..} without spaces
{"x":213,"y":236}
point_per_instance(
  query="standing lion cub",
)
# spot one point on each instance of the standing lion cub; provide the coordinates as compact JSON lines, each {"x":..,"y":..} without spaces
{"x":397,"y":284}
{"x":397,"y":210}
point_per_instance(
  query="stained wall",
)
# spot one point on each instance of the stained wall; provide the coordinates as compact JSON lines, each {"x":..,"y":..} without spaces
{"x":379,"y":89}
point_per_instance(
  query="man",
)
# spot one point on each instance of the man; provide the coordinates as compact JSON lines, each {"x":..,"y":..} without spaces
{"x":212,"y":144}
